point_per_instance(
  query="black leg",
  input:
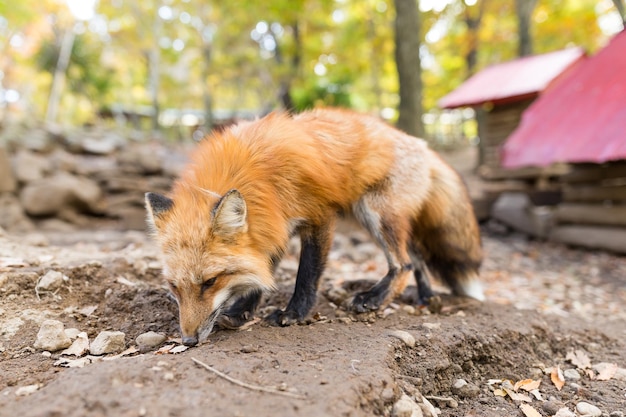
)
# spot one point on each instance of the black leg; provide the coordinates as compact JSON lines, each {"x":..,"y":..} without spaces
{"x":424,"y":292}
{"x":315,"y":246}
{"x":241,"y":311}
{"x":372,"y":299}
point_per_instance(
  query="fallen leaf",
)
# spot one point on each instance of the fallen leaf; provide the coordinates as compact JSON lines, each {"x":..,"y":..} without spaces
{"x":529,"y":411}
{"x":557,"y":378}
{"x":517,"y":397}
{"x":579,"y":359}
{"x":87,"y":311}
{"x":527,"y":385}
{"x":73,"y":363}
{"x":178,"y":349}
{"x":164,"y":349}
{"x":535,"y":393}
{"x":605,"y":371}
{"x":499,"y":392}
{"x":12,"y":262}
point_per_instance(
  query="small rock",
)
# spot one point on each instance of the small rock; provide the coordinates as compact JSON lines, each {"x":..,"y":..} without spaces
{"x":79,"y":347}
{"x":26,"y":390}
{"x":588,"y":410}
{"x":406,"y":407}
{"x":429,"y":410}
{"x":29,"y":166}
{"x":7,"y":181}
{"x":406,"y":337}
{"x":146,"y":341}
{"x":108,"y":342}
{"x":464,"y":389}
{"x":409,"y":309}
{"x":616,"y":414}
{"x":620,"y":374}
{"x":51,"y":281}
{"x":387,"y":395}
{"x":564,"y":412}
{"x":571,"y":374}
{"x":249,"y":349}
{"x":72,"y":333}
{"x":552,"y":407}
{"x":168,"y":376}
{"x":52,"y":337}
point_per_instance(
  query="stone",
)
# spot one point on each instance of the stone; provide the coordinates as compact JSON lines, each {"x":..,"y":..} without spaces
{"x":517,"y":211}
{"x":150,"y":340}
{"x":49,"y":196}
{"x":406,"y":407}
{"x":79,"y":347}
{"x":26,"y":390}
{"x":108,"y":342}
{"x":7,"y":180}
{"x":564,"y":412}
{"x":51,"y":281}
{"x":29,"y":167}
{"x":102,"y":145}
{"x":552,"y":407}
{"x":406,"y":337}
{"x":464,"y":389}
{"x":588,"y":410}
{"x":12,"y":216}
{"x":571,"y":374}
{"x":52,"y":337}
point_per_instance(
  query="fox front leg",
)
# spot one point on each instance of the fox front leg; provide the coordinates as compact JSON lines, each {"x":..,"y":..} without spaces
{"x":316,"y":242}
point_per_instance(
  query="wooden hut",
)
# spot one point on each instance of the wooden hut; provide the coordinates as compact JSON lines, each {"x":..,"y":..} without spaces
{"x":500,"y":94}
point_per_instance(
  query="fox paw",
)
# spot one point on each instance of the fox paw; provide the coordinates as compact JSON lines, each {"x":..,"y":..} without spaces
{"x":367,"y":301}
{"x":282,"y":318}
{"x":233,"y":322}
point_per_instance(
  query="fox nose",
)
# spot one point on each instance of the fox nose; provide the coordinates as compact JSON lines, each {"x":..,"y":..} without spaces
{"x":190,"y":340}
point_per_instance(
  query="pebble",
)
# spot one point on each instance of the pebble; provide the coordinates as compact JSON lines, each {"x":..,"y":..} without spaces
{"x":72,"y":333}
{"x":406,"y":407}
{"x":588,"y":410}
{"x":26,"y":390}
{"x":616,"y":414}
{"x":551,"y":407}
{"x":148,"y":340}
{"x":387,"y":395}
{"x":571,"y":374}
{"x":406,"y":337}
{"x":52,"y":337}
{"x":79,"y":347}
{"x":51,"y":281}
{"x":108,"y":342}
{"x":429,"y":410}
{"x":564,"y":412}
{"x":464,"y":389}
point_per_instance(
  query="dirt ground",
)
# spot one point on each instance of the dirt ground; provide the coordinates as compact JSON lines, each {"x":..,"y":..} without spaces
{"x":544,"y":301}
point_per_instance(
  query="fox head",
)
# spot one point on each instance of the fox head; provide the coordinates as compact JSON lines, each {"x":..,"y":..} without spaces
{"x":209,"y":256}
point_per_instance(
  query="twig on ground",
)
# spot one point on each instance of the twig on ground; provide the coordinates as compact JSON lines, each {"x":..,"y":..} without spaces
{"x":270,"y":390}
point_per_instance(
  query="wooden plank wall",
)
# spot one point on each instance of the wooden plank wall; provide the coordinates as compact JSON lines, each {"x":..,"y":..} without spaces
{"x":593,"y":210}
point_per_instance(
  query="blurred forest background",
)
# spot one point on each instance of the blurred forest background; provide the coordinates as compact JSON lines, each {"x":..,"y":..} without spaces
{"x":195,"y":63}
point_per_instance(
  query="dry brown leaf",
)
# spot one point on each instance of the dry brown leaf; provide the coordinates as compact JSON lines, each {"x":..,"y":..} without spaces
{"x":557,"y":378}
{"x":164,"y":349}
{"x":529,"y":411}
{"x":527,"y":385}
{"x":606,"y":372}
{"x":499,"y":392}
{"x":579,"y":359}
{"x":517,"y":397}
{"x":178,"y":349}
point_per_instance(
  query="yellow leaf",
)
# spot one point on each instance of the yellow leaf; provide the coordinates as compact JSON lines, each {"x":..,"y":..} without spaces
{"x":557,"y":378}
{"x":499,"y":392}
{"x":517,"y":397}
{"x":527,"y":385}
{"x":529,"y":411}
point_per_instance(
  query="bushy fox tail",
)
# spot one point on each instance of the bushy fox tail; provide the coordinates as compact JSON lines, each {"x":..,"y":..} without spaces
{"x":447,"y":235}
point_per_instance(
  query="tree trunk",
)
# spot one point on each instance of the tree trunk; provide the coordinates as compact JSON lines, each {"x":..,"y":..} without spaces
{"x":407,"y":38}
{"x":619,"y":5}
{"x":154,"y":62}
{"x":473,"y":25}
{"x":207,"y":98}
{"x":58,"y":81}
{"x":524,"y":10}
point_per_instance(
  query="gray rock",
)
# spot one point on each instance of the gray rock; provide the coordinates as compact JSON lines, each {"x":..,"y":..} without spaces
{"x":552,"y":407}
{"x":107,"y":342}
{"x":102,"y":145}
{"x":12,"y":216}
{"x":50,"y":196}
{"x":588,"y":410}
{"x":149,"y":340}
{"x":464,"y":389}
{"x":51,"y":281}
{"x":406,"y":407}
{"x":52,"y":337}
{"x":29,"y":167}
{"x":564,"y":412}
{"x":571,"y":374}
{"x":7,"y":180}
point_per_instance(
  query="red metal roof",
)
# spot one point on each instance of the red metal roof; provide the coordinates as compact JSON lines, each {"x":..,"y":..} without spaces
{"x":513,"y":80}
{"x":581,"y":118}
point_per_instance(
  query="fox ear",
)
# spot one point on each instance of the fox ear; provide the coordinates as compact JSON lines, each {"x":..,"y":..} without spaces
{"x":230,"y":214}
{"x":157,"y":205}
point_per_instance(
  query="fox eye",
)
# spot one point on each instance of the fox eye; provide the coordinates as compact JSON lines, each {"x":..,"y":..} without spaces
{"x":207,"y":284}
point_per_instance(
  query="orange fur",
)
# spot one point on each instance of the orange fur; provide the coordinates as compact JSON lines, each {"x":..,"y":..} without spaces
{"x":297,"y":173}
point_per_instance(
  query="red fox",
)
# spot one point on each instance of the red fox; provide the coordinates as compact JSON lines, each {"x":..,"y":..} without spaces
{"x":248,"y":189}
